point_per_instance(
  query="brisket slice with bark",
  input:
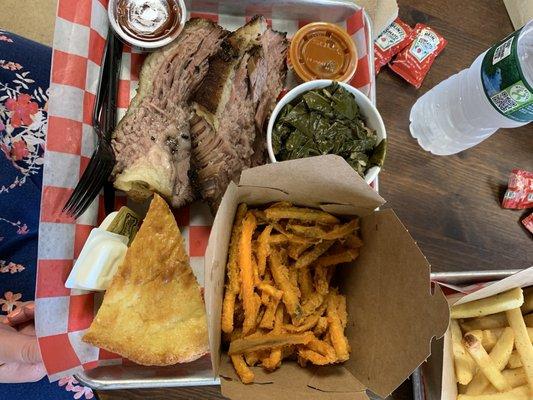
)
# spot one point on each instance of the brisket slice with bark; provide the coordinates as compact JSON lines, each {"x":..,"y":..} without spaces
{"x":152,"y":142}
{"x":232,"y":103}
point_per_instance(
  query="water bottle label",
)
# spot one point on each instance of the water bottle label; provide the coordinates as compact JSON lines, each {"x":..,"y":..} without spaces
{"x":503,"y":80}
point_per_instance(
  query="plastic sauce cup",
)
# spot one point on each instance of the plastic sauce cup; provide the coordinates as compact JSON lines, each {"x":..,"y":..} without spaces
{"x":322,"y":50}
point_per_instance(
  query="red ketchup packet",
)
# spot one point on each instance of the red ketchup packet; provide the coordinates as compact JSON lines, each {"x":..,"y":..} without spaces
{"x":391,"y":42}
{"x":519,"y":192}
{"x":413,"y":63}
{"x":528,"y":222}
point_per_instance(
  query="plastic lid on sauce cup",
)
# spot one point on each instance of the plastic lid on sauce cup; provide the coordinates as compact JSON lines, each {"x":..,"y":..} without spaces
{"x":321,"y":50}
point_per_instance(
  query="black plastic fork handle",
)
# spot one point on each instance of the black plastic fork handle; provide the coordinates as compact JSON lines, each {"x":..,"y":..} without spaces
{"x":101,"y":92}
{"x":112,"y":80}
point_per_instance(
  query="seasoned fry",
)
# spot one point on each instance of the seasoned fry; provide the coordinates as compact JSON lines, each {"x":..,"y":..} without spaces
{"x":519,"y":393}
{"x":489,"y":322}
{"x":270,"y":290}
{"x":485,"y":363}
{"x":233,"y":284}
{"x":263,"y":249}
{"x":341,"y":309}
{"x":290,"y":293}
{"x":336,"y":331}
{"x":311,"y":304}
{"x":247,"y":274}
{"x":522,"y":343}
{"x":321,"y":326}
{"x":300,"y":213}
{"x":322,"y":348}
{"x":278,"y":238}
{"x":465,"y":366}
{"x":513,"y":298}
{"x":322,"y":278}
{"x":341,"y":231}
{"x":268,"y":317}
{"x":500,"y":356}
{"x":309,"y":323}
{"x":269,"y":341}
{"x":296,"y":249}
{"x":245,"y":373}
{"x":311,"y":255}
{"x":311,"y":231}
{"x":305,"y":282}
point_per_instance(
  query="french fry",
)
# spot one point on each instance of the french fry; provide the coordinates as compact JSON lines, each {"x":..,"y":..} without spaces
{"x":522,"y":343}
{"x":328,"y":260}
{"x":267,"y":322}
{"x":341,"y":309}
{"x":465,"y":366}
{"x":322,"y":278}
{"x":305,"y":282}
{"x":268,"y":341}
{"x":485,"y":363}
{"x":490,"y":337}
{"x":489,"y":322}
{"x":336,"y":331}
{"x":322,"y":348}
{"x":233,"y":285}
{"x":245,"y":373}
{"x":514,"y":360}
{"x":290,"y":293}
{"x":527,"y":307}
{"x":274,"y":359}
{"x":311,"y":255}
{"x":353,"y":241}
{"x":293,"y":276}
{"x":278,"y":238}
{"x":528,"y":319}
{"x":263,"y":248}
{"x":311,"y":231}
{"x":491,"y":305}
{"x":516,"y":377}
{"x":300,"y":213}
{"x":309,"y":323}
{"x":519,"y":393}
{"x":311,"y":304}
{"x":247,"y":274}
{"x":500,"y":356}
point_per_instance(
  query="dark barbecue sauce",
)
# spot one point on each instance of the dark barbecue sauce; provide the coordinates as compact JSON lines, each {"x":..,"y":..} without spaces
{"x":148,"y":20}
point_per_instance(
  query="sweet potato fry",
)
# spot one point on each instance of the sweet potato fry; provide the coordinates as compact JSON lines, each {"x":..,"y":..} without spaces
{"x":247,"y":272}
{"x":270,"y":290}
{"x":500,"y":356}
{"x":522,"y":343}
{"x":313,"y":357}
{"x":296,"y":249}
{"x":269,"y":341}
{"x":341,"y":231}
{"x":311,"y":304}
{"x":291,"y":293}
{"x":341,"y":309}
{"x":311,"y":255}
{"x":268,"y":317}
{"x":309,"y":323}
{"x":245,"y":373}
{"x":465,"y":366}
{"x":278,"y":238}
{"x":313,"y":231}
{"x":300,"y":213}
{"x":353,"y":241}
{"x":323,"y":348}
{"x":513,"y":298}
{"x":233,"y":284}
{"x":485,"y":363}
{"x":322,"y":279}
{"x":336,"y":331}
{"x":263,"y":248}
{"x":328,"y":260}
{"x":321,"y":326}
{"x":305,"y":283}
{"x":274,"y":360}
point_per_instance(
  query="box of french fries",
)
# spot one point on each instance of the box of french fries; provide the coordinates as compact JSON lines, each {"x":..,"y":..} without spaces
{"x":313,"y":292}
{"x":488,"y":350}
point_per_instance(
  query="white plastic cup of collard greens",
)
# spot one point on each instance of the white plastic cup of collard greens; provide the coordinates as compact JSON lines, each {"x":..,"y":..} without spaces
{"x":369,"y":113}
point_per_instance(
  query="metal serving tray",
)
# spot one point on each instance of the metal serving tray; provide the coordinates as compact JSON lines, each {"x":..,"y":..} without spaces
{"x":199,"y":373}
{"x":427,"y":379}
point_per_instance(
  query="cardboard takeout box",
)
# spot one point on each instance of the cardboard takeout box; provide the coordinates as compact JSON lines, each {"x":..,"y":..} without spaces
{"x":521,"y":279}
{"x":392,"y":313}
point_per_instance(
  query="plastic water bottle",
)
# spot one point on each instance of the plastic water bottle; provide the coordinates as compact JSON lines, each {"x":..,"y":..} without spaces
{"x":495,"y":92}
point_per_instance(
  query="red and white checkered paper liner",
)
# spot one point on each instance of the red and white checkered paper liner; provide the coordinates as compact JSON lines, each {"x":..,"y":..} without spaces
{"x":64,"y":315}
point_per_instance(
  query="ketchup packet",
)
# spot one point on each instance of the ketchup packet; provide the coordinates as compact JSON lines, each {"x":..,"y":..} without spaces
{"x":413,"y":63}
{"x":528,"y":222}
{"x":391,"y":42}
{"x":519,"y":192}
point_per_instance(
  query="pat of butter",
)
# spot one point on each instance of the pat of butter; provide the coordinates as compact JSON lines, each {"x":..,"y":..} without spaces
{"x":99,"y":259}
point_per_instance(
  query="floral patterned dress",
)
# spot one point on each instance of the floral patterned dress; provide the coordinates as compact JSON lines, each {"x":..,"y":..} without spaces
{"x":24,"y":82}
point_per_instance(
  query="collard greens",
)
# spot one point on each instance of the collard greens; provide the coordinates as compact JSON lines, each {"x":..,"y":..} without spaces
{"x":326,"y":121}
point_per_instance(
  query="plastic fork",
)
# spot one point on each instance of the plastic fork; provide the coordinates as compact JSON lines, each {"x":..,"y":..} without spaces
{"x":102,"y":161}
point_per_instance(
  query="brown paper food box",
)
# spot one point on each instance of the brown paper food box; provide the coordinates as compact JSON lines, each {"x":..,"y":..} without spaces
{"x":520,"y":279}
{"x":393,"y":314}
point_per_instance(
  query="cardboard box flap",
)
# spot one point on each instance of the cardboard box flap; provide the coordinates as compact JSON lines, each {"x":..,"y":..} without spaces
{"x":311,"y":383}
{"x":392,"y":314}
{"x":318,"y":182}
